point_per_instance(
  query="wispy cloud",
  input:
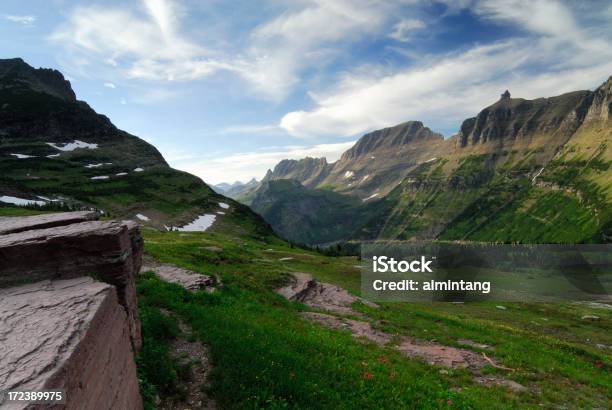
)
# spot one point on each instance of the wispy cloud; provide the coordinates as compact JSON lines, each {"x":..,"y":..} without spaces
{"x":444,"y":90}
{"x":149,"y":42}
{"x":110,"y":85}
{"x":403,"y":29}
{"x":244,"y":166}
{"x":25,"y":20}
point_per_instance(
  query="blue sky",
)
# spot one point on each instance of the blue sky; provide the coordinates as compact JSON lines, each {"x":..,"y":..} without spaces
{"x":226,"y":89}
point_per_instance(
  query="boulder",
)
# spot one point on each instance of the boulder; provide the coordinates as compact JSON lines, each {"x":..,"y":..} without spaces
{"x":110,"y":251}
{"x":68,"y":334}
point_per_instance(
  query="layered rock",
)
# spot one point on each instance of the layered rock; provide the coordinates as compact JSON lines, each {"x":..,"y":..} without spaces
{"x":109,"y":250}
{"x":68,"y":312}
{"x":397,"y":137}
{"x":512,"y":118}
{"x":14,"y":225}
{"x":308,"y":171}
{"x":71,"y":335}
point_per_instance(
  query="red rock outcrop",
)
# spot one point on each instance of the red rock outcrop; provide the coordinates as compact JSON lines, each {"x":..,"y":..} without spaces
{"x":108,"y":250}
{"x":68,"y":312}
{"x":71,"y":335}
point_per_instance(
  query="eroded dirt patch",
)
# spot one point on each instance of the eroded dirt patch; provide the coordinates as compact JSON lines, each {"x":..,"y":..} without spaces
{"x":303,"y":288}
{"x":319,"y":295}
{"x":432,"y":353}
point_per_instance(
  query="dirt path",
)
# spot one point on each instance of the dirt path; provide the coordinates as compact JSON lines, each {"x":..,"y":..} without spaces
{"x":193,"y":357}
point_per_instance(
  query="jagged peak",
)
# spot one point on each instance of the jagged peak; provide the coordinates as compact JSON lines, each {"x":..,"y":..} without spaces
{"x":16,"y":72}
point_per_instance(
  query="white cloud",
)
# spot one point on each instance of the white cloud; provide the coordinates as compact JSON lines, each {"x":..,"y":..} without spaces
{"x":25,"y":20}
{"x":149,"y":42}
{"x":403,"y":29}
{"x":123,"y":101}
{"x":244,"y":166}
{"x":441,"y":91}
{"x":110,"y":85}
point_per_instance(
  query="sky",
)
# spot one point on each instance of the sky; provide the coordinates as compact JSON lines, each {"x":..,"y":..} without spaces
{"x":226,"y":89}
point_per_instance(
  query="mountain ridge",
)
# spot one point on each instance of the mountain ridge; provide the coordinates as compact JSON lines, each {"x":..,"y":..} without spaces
{"x":535,"y":151}
{"x":56,"y":151}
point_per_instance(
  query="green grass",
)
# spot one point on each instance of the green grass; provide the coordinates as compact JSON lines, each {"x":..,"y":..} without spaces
{"x":266,"y":355}
{"x":20,"y":211}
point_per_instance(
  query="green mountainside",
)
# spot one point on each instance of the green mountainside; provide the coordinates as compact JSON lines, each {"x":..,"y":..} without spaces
{"x":58,"y":152}
{"x":520,"y":171}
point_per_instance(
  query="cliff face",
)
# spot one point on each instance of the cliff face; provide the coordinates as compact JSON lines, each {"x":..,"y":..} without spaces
{"x":308,"y":171}
{"x":68,"y":305}
{"x":397,"y":137}
{"x":16,"y":74}
{"x":515,"y":118}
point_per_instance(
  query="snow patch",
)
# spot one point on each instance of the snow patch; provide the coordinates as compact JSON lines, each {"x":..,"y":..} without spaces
{"x":365,"y":178}
{"x":429,"y":160}
{"x":348,"y":174}
{"x":370,"y":197}
{"x":224,"y":205}
{"x":71,"y":146}
{"x":138,"y":169}
{"x":200,"y":224}
{"x":23,"y":156}
{"x":120,"y":174}
{"x":142,"y":217}
{"x":53,"y":155}
{"x":94,"y":165}
{"x":99,"y":177}
{"x":221,"y":212}
{"x":20,"y":201}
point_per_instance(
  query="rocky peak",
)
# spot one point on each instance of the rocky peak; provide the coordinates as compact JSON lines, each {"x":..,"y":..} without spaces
{"x":601,"y":108}
{"x":16,"y":73}
{"x":308,"y":171}
{"x":392,"y":137}
{"x":511,"y":118}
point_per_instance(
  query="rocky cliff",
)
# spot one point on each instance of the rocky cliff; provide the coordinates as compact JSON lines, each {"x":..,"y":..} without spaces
{"x":308,"y":171}
{"x":500,"y":178}
{"x":68,"y":308}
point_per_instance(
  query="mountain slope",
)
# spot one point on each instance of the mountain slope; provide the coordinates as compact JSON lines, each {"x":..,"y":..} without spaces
{"x":521,"y":170}
{"x":55,"y":149}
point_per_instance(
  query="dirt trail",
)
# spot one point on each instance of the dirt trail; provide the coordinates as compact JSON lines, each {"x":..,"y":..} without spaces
{"x":194,"y":358}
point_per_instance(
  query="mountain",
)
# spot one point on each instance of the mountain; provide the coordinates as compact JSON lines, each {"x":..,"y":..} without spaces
{"x":520,"y":170}
{"x":55,"y":149}
{"x":238,"y":190}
